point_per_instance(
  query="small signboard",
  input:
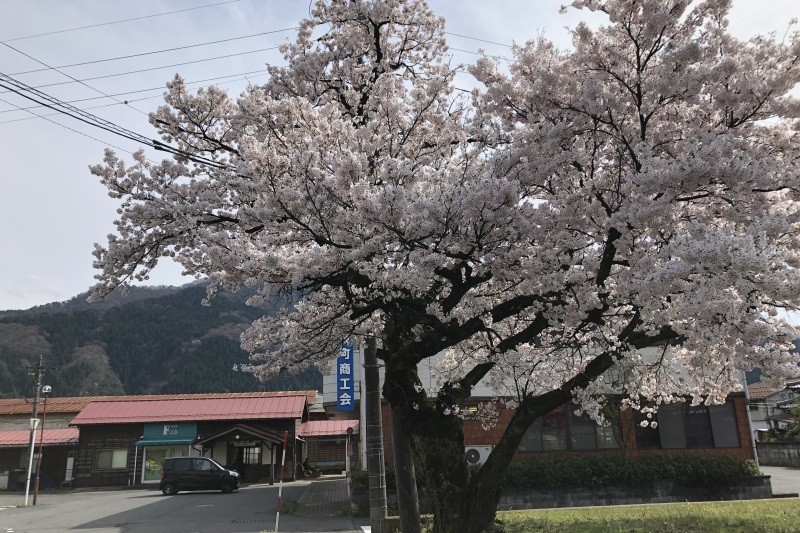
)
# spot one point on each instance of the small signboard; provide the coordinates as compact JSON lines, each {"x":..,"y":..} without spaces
{"x":345,"y":400}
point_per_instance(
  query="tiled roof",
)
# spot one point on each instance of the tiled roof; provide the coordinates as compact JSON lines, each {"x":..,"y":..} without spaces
{"x":322,"y":428}
{"x":73,"y":404}
{"x":758,"y":391}
{"x":191,"y":409}
{"x":21,"y":437}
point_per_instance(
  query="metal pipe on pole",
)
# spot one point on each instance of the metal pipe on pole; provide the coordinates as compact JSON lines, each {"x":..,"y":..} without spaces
{"x":34,"y":423}
{"x":46,"y":391}
{"x":376,"y":468}
{"x":280,"y":482}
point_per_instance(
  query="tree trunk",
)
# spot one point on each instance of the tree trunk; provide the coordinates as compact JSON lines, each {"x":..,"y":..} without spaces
{"x":405,"y":474}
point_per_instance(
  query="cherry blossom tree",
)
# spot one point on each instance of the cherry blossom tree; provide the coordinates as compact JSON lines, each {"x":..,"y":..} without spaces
{"x":538,"y":234}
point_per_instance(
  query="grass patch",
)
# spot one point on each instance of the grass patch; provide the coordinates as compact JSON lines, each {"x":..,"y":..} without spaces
{"x":291,"y":507}
{"x":749,"y":516}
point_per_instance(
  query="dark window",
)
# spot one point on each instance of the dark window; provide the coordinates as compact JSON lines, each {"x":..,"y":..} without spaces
{"x":698,"y":427}
{"x":647,"y":436}
{"x":670,"y":425}
{"x":723,"y":425}
{"x":550,"y":433}
{"x":554,"y":430}
{"x":606,"y":439}
{"x":180,"y":465}
{"x":582,"y":432}
{"x":532,"y":440}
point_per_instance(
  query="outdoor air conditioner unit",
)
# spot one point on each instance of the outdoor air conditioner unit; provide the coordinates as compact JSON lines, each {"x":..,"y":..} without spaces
{"x":477,"y":455}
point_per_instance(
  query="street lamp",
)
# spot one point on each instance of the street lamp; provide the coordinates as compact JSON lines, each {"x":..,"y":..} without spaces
{"x":45,"y":392}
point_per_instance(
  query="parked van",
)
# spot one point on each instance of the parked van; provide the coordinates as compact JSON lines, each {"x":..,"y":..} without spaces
{"x":196,"y":473}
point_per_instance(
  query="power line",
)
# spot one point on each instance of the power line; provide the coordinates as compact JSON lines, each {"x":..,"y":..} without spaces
{"x":68,"y":76}
{"x":120,"y":21}
{"x":156,"y":68}
{"x":93,"y":120}
{"x":46,"y":117}
{"x":242,"y":75}
{"x":477,"y":39}
{"x":142,"y":54}
{"x":87,"y":108}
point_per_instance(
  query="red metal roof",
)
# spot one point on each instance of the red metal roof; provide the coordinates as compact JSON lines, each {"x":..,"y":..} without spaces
{"x":73,"y":404}
{"x":21,"y":437}
{"x":329,"y":428}
{"x":191,"y":409}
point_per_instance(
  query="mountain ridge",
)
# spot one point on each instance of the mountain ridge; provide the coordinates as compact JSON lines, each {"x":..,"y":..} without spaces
{"x":156,"y":340}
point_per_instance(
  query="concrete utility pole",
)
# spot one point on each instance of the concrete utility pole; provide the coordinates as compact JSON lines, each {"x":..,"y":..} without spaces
{"x":375,"y":465}
{"x":38,"y":371}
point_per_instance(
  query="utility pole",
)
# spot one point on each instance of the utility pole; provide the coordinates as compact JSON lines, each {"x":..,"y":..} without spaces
{"x":38,"y":372}
{"x":376,"y":468}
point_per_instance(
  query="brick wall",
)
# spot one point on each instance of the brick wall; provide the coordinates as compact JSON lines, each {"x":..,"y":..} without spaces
{"x":476,"y":435}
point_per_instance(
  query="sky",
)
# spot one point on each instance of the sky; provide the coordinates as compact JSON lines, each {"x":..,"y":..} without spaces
{"x":53,"y":210}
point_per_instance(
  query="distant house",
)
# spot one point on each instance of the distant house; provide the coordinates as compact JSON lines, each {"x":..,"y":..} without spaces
{"x":770,"y":407}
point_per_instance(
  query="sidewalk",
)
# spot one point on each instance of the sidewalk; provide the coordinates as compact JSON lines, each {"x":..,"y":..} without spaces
{"x":325,"y":497}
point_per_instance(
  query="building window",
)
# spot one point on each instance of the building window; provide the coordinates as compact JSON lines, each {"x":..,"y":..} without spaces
{"x":671,"y":427}
{"x":532,"y":440}
{"x":681,"y":426}
{"x":554,"y":430}
{"x":111,"y":459}
{"x":582,"y":432}
{"x":646,"y":436}
{"x":252,"y":456}
{"x":562,"y":430}
{"x":723,"y":425}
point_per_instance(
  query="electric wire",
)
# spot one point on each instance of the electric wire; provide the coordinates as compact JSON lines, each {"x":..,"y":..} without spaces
{"x":238,"y":77}
{"x":57,"y":105}
{"x":93,"y":107}
{"x":46,"y":117}
{"x":82,"y":82}
{"x":150,"y":69}
{"x":120,"y":21}
{"x":164,"y":50}
{"x":477,"y":39}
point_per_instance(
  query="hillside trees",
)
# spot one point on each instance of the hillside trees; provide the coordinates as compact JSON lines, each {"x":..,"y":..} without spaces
{"x":638,"y":190}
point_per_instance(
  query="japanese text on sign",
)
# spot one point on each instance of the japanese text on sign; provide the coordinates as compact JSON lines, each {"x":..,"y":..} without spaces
{"x":344,"y":380}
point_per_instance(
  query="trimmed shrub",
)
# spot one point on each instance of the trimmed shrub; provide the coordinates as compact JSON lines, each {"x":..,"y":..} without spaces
{"x":359,"y":479}
{"x":548,"y":471}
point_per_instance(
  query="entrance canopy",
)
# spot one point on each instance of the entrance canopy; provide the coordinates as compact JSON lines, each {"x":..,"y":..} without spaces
{"x":244,"y":432}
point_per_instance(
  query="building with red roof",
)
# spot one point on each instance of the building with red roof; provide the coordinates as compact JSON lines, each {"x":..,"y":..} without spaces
{"x":125,"y":441}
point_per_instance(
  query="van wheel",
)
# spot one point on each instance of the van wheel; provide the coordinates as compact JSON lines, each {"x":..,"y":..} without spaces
{"x":226,"y":487}
{"x":169,"y":489}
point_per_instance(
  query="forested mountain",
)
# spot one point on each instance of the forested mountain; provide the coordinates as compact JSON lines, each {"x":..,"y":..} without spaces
{"x":155,"y":340}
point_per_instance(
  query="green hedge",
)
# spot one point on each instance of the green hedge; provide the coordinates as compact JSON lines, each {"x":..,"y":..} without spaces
{"x":359,"y":479}
{"x":548,"y":471}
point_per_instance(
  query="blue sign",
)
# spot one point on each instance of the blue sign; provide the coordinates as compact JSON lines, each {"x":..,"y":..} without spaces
{"x":345,"y":400}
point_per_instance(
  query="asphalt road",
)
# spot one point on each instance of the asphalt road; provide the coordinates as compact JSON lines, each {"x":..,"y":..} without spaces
{"x":251,"y":509}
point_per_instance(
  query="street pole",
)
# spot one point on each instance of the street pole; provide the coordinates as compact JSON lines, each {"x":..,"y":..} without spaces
{"x":46,"y":391}
{"x":280,"y":481}
{"x":376,"y":468}
{"x":38,"y":370}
